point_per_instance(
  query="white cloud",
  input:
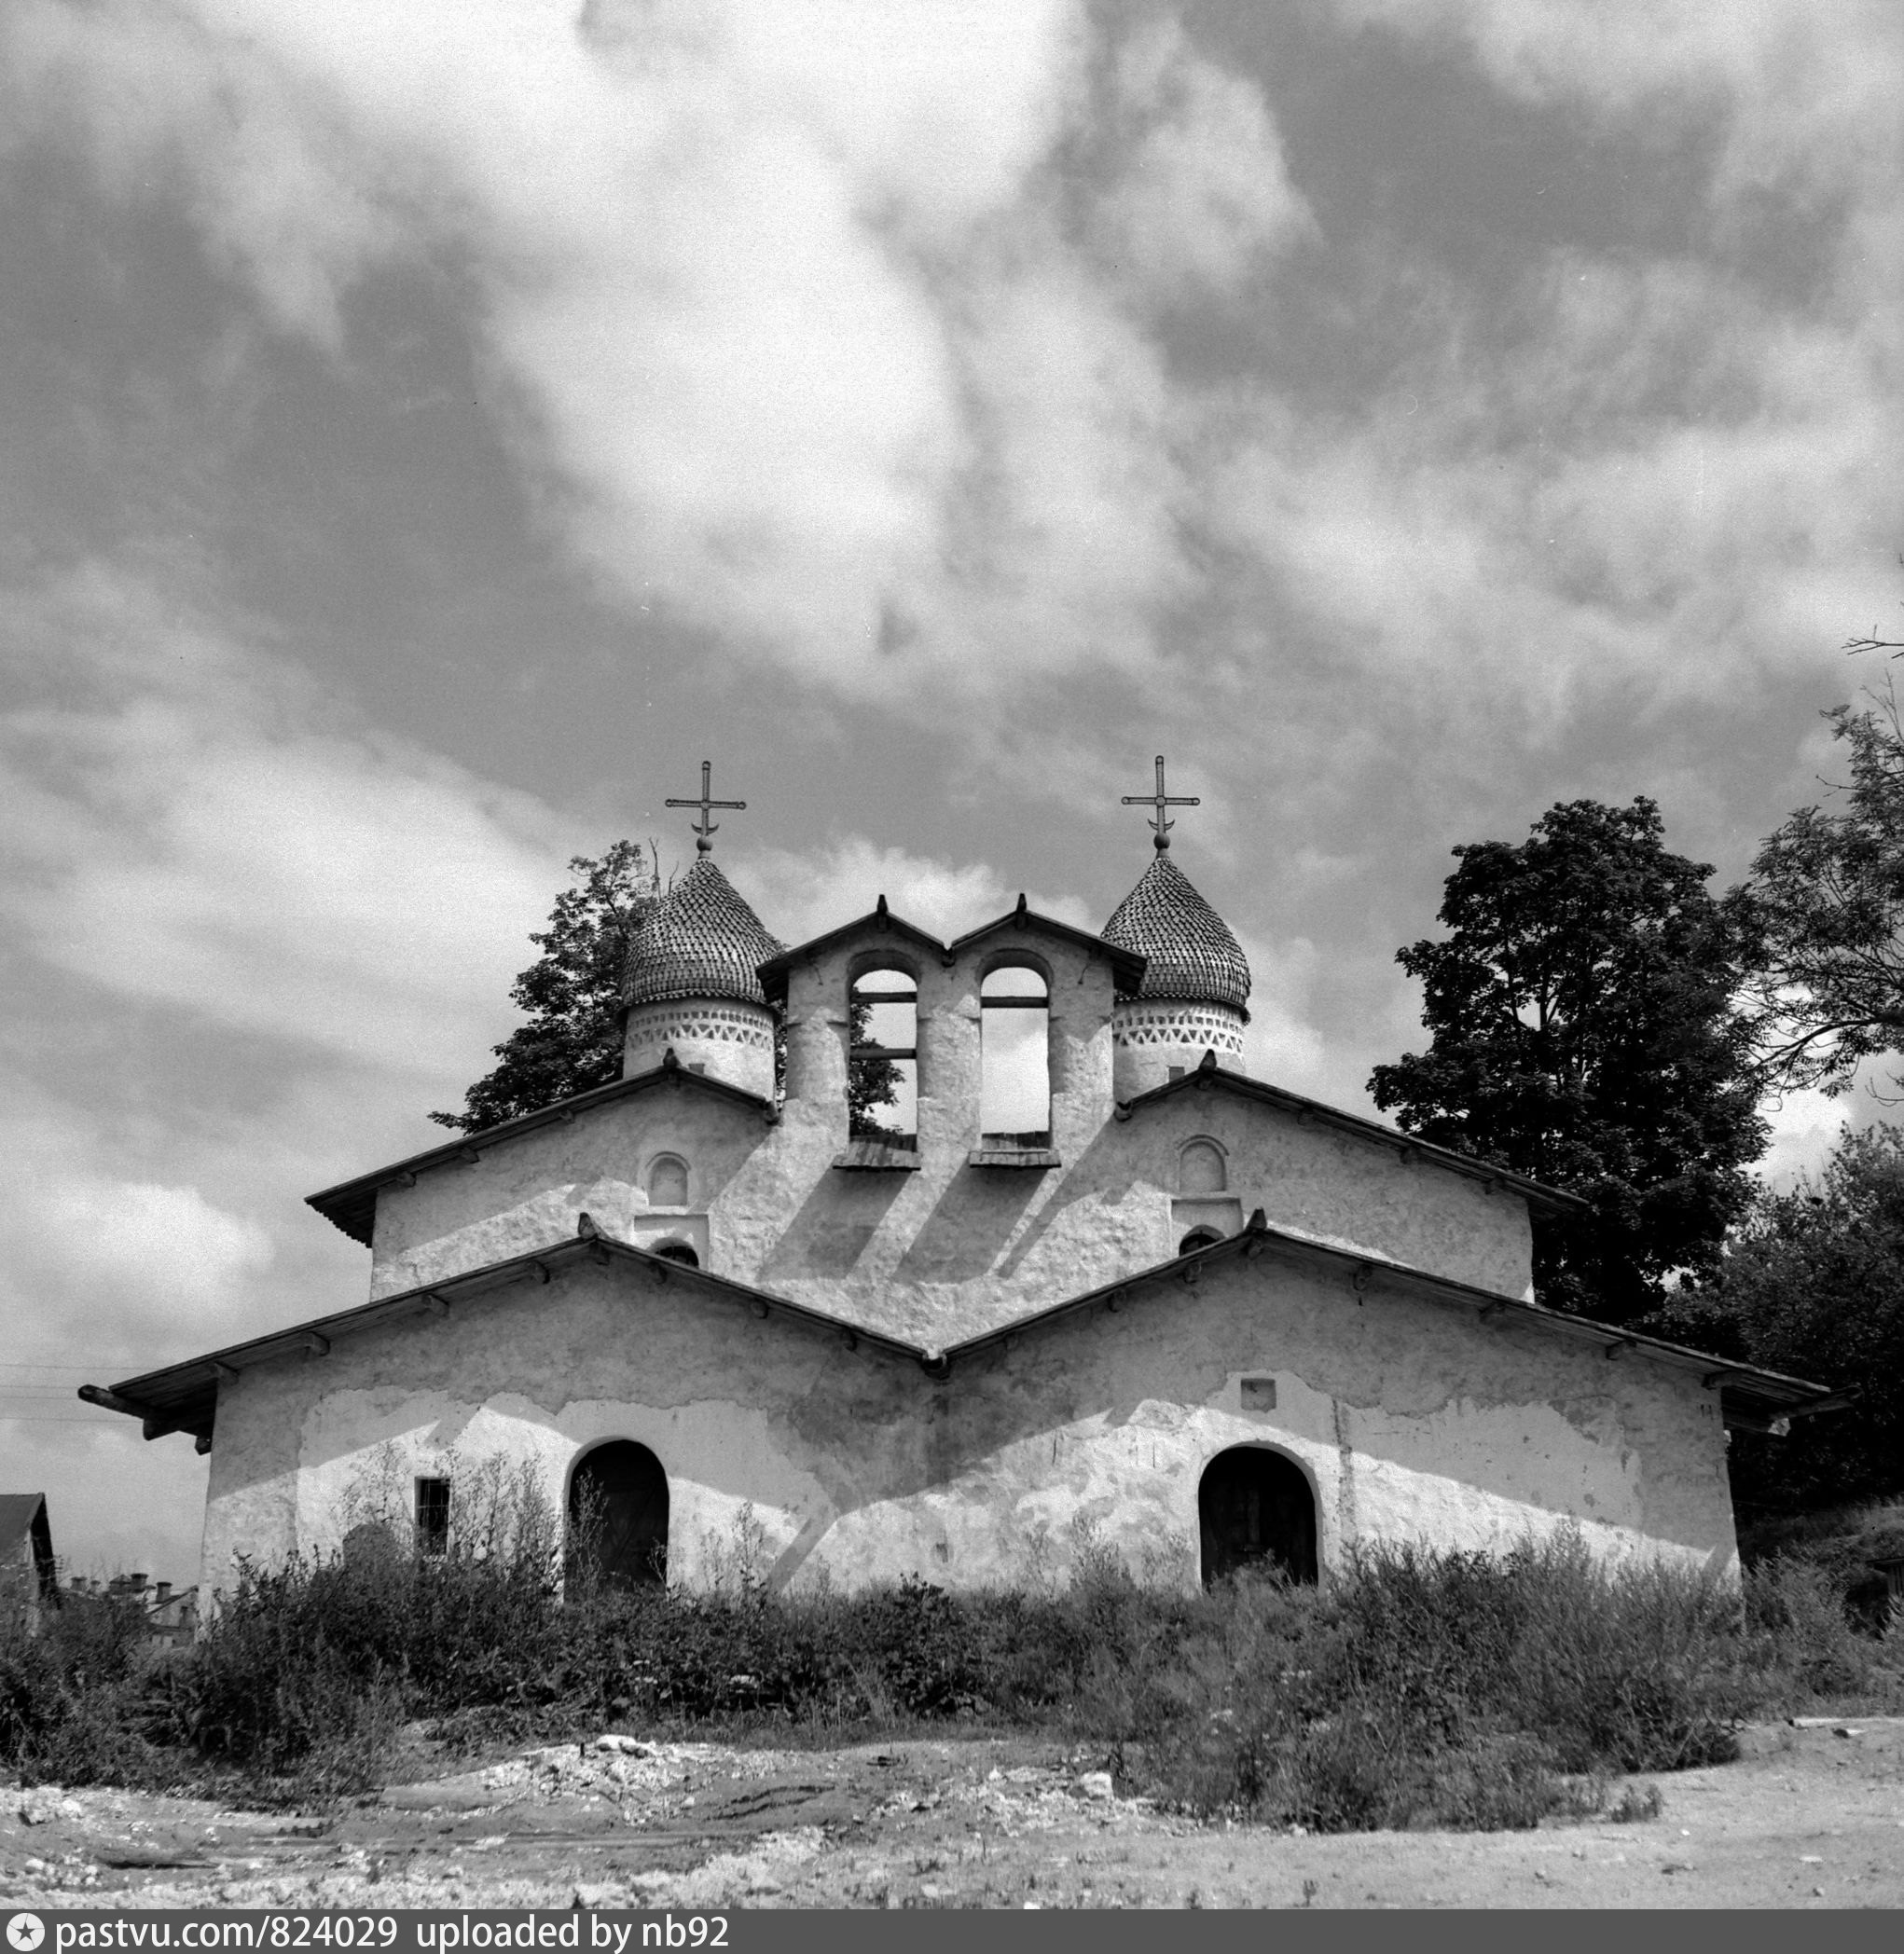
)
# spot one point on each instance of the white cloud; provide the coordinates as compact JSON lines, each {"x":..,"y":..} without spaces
{"x":188,"y":824}
{"x":1203,"y":195}
{"x":167,"y":1245}
{"x":785,"y":302}
{"x":114,"y":1503}
{"x":1280,"y":1044}
{"x":801,"y":895}
{"x":1803,"y":99}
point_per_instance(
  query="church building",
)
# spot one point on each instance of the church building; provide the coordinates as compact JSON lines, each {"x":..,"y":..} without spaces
{"x":903,"y":1256}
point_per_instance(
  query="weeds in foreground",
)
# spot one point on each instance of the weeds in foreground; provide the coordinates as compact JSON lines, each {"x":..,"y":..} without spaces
{"x":1418,"y":1688}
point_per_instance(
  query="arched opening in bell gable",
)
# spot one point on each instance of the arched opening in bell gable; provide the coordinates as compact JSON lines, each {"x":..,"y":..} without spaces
{"x":882,"y":1055}
{"x":1255,"y":1508}
{"x":1014,"y":1057}
{"x":618,"y":1516}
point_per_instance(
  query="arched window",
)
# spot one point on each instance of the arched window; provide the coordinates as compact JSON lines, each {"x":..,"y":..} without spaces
{"x":618,"y":1516}
{"x":1254,"y":1508}
{"x":1015,"y":1058}
{"x":1200,"y":1168}
{"x":883,"y":1060}
{"x":679,"y":1252}
{"x":668,"y":1181}
{"x":1199,"y":1238}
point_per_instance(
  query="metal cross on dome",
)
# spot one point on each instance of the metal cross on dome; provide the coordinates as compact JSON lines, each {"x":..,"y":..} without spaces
{"x":704,"y":829}
{"x":1160,"y":799}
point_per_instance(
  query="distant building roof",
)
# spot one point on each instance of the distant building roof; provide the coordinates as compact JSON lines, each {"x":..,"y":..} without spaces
{"x":702,"y":941}
{"x":1191,"y":956}
{"x":23,"y":1519}
{"x":18,"y":1512}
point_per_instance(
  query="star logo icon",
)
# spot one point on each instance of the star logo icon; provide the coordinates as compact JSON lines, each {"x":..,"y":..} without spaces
{"x":25,"y":1932}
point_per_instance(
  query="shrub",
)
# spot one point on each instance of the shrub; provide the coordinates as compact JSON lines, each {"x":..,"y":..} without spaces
{"x":1417,"y":1687}
{"x":72,"y":1700}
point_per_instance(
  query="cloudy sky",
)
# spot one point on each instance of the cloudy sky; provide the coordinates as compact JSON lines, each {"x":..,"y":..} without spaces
{"x":427,"y":431}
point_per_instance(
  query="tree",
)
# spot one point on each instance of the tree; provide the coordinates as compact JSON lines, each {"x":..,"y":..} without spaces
{"x":1582,"y":1034}
{"x":1826,"y":894}
{"x":573,"y":992}
{"x":1812,"y":1284}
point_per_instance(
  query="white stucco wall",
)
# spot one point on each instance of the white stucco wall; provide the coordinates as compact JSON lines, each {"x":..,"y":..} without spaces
{"x":950,"y":1250}
{"x":1413,"y":1421}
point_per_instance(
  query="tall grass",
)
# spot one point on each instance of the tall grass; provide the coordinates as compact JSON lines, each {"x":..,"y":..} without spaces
{"x":1417,"y":1687}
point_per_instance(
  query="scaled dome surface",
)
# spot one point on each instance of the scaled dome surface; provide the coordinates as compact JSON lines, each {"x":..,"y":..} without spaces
{"x":1192,"y":956}
{"x":702,"y":941}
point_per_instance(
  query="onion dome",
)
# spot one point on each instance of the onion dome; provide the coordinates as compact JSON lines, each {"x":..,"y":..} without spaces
{"x":1192,"y":957}
{"x":702,"y":941}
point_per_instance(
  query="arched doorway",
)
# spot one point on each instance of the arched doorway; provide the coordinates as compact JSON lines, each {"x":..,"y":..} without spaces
{"x":618,"y":1515}
{"x":1254,"y":1509}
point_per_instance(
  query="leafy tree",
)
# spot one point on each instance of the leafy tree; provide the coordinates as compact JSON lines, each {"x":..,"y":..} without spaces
{"x":1812,"y":1284}
{"x":1582,"y":1034}
{"x":870,"y":1082}
{"x":1826,"y":893}
{"x":573,"y":992}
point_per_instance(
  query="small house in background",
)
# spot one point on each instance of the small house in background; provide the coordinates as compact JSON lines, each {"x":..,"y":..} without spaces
{"x":29,"y":1580}
{"x":172,"y":1614}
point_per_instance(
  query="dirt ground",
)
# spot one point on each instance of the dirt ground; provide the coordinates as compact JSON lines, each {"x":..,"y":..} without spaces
{"x":1808,"y":1817}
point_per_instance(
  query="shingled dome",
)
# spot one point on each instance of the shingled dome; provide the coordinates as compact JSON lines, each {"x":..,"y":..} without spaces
{"x":1191,"y":955}
{"x":702,"y":941}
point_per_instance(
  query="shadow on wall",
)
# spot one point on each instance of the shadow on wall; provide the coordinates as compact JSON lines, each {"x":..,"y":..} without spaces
{"x":868,"y":1428}
{"x":965,"y":1235}
{"x":1106,"y":1174}
{"x":835,"y":1226}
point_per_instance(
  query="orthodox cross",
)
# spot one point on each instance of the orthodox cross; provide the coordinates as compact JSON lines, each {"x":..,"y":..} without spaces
{"x":1160,"y":799}
{"x":704,"y":829}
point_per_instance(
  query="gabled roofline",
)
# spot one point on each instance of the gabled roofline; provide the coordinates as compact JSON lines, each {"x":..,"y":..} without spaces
{"x":774,"y":971}
{"x":23,"y":1516}
{"x":1758,"y":1395}
{"x":351,"y":1204}
{"x":185,"y":1397}
{"x":1211,"y":1076}
{"x":1127,"y":964}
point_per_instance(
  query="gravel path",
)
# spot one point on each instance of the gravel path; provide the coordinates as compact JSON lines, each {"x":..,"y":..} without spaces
{"x":1807,"y":1817}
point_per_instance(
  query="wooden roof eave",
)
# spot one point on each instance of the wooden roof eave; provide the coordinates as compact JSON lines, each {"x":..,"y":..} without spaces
{"x":1749,"y":1394}
{"x":351,"y":1204}
{"x":1127,"y":966}
{"x":774,"y":972}
{"x":184,"y":1396}
{"x":1210,"y":1077}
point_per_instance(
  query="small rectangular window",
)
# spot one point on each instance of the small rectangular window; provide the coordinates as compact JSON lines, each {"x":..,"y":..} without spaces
{"x":1259,"y":1393}
{"x":433,"y":1516}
